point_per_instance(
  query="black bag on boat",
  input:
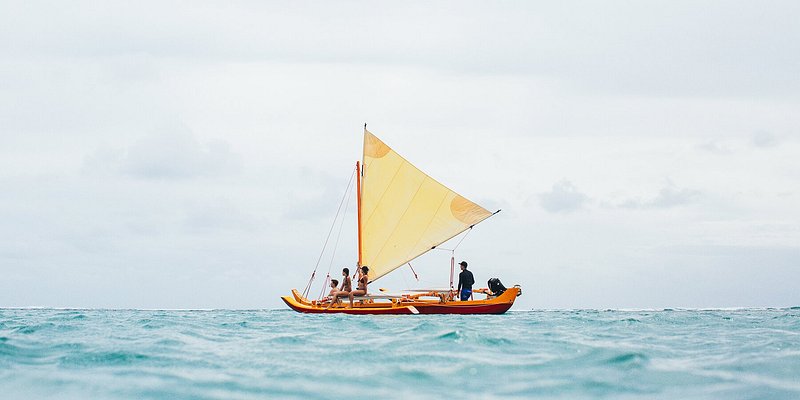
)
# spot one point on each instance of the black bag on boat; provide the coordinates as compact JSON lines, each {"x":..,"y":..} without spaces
{"x":496,"y":286}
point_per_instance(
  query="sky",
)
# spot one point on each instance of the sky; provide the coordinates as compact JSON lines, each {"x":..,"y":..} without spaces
{"x":193,"y":154}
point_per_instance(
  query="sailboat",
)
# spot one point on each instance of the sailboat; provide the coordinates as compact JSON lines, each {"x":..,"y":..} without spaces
{"x":402,"y":214}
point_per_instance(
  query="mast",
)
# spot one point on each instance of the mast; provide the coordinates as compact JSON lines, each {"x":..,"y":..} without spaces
{"x":358,"y":201}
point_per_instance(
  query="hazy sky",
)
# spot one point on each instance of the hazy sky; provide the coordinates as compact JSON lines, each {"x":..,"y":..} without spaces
{"x":193,"y":154}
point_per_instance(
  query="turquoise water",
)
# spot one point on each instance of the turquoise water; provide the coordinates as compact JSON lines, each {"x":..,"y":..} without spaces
{"x":227,"y":354}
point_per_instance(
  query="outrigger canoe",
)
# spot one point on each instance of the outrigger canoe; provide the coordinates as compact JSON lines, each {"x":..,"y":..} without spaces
{"x":407,"y":304}
{"x":402,"y":214}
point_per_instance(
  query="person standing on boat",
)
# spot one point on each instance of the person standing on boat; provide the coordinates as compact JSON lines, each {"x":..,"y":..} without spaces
{"x":347,"y":287}
{"x":465,"y":282}
{"x":363,"y":280}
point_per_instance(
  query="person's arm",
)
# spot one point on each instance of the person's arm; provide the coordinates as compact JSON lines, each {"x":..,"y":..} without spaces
{"x":459,"y":283}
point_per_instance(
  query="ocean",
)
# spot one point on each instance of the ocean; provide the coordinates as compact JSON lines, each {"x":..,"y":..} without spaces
{"x":257,"y":354}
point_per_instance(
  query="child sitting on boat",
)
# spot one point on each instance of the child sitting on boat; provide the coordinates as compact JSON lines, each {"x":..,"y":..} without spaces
{"x":334,"y":284}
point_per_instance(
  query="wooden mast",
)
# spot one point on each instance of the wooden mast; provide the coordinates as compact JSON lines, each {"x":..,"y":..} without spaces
{"x":358,"y":201}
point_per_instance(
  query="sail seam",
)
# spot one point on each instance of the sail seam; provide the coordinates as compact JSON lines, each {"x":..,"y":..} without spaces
{"x":397,"y":224}
{"x":433,"y":216}
{"x":366,"y":221}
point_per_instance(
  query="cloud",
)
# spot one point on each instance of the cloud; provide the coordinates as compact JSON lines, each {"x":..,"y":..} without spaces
{"x":714,"y":148}
{"x":166,"y":157}
{"x":669,"y":196}
{"x":220,"y":215}
{"x":610,"y":96}
{"x":634,"y":48}
{"x":764,"y":139}
{"x":563,"y":198}
{"x":320,"y":197}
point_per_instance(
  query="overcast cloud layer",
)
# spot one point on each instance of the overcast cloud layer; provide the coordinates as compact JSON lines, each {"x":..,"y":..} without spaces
{"x":192,"y":155}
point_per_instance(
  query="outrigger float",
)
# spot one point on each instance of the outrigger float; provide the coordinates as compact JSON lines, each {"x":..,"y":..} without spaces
{"x":402,"y":214}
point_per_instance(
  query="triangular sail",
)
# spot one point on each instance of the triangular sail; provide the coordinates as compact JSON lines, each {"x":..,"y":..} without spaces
{"x":404,"y":212}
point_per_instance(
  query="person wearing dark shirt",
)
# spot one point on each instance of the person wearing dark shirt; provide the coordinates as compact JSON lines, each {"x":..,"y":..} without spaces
{"x":465,"y":282}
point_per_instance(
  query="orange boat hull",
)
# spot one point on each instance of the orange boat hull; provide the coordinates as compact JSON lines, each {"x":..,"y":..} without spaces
{"x":308,"y":308}
{"x":497,"y":305}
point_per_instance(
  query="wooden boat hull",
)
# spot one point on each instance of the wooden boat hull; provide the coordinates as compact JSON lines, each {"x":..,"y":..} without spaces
{"x":309,"y":308}
{"x":497,"y":305}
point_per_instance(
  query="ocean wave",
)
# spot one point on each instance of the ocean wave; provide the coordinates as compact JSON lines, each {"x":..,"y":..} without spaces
{"x":629,"y":360}
{"x":31,"y":329}
{"x":254,"y":354}
{"x":110,"y":358}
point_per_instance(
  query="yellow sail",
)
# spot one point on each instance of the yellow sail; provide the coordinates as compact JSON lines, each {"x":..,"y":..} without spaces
{"x":404,"y":212}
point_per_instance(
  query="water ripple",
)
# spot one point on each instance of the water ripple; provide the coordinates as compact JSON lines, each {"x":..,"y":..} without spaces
{"x":253,"y":354}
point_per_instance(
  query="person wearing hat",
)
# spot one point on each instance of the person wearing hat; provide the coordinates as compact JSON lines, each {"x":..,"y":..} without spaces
{"x":465,"y":282}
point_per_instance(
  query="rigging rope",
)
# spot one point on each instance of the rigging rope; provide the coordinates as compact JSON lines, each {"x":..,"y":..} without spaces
{"x":333,"y":225}
{"x":453,"y":254}
{"x":322,"y":291}
{"x":453,"y":257}
{"x":339,"y":234}
{"x":415,"y":272}
{"x":336,"y":244}
{"x":462,"y":238}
